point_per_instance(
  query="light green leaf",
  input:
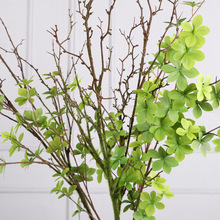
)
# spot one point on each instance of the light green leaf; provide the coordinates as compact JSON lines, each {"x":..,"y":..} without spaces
{"x":197,"y":55}
{"x":203,"y":30}
{"x":190,"y":40}
{"x":186,"y":26}
{"x":197,"y":112}
{"x":197,"y":21}
{"x":195,"y":144}
{"x":1,"y":101}
{"x":173,"y":115}
{"x":23,"y":92}
{"x":188,"y":61}
{"x":147,"y":137}
{"x":157,"y":165}
{"x":159,"y":205}
{"x":168,"y":68}
{"x":150,"y":210}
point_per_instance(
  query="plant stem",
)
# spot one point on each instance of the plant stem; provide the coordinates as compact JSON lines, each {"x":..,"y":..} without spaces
{"x":85,"y":204}
{"x":112,"y":190}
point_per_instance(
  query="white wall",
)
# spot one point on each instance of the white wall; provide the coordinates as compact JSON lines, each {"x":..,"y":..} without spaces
{"x":24,"y":194}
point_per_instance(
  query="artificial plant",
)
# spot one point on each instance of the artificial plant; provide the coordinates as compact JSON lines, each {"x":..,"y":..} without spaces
{"x":145,"y":132}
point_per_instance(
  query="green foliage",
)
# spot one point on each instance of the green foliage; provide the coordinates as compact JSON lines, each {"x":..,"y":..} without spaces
{"x":166,"y":107}
{"x":187,"y":55}
{"x":188,"y":129}
{"x":156,"y":182}
{"x":217,"y":142}
{"x":1,"y":101}
{"x":28,"y":159}
{"x":190,"y":41}
{"x":203,"y":142}
{"x":35,"y":117}
{"x":199,"y":106}
{"x":130,"y":176}
{"x":188,"y":97}
{"x":178,"y":74}
{"x":204,"y":89}
{"x":149,"y":202}
{"x":75,"y":83}
{"x":146,"y":135}
{"x":145,"y":109}
{"x":26,"y":82}
{"x":51,"y":93}
{"x":2,"y":167}
{"x":64,"y":191}
{"x":131,"y":200}
{"x":25,"y":95}
{"x":165,"y":161}
{"x":167,"y":45}
{"x":193,"y":35}
{"x":80,"y":150}
{"x":132,"y":147}
{"x":56,"y":145}
{"x":118,"y":157}
{"x":215,"y":95}
{"x":192,"y":3}
{"x":178,"y":146}
{"x":79,"y":209}
{"x":161,"y":128}
{"x":147,"y":89}
{"x":53,"y":129}
{"x":14,"y":141}
{"x":141,"y":215}
{"x":83,"y":172}
{"x":138,"y":157}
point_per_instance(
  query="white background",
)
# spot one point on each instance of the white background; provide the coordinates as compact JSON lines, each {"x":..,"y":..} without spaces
{"x":24,"y":194}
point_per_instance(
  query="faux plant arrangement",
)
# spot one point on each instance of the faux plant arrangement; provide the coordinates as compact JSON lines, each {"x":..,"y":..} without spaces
{"x":146,"y":132}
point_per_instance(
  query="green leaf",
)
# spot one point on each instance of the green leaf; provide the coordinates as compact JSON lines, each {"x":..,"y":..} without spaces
{"x":145,"y":196}
{"x":157,"y":165}
{"x":134,"y":144}
{"x":197,"y":112}
{"x":142,"y":127}
{"x":206,"y":106}
{"x":168,"y":68}
{"x":12,"y":150}
{"x":159,"y":205}
{"x":38,"y":113}
{"x":28,"y":115}
{"x":203,"y":30}
{"x":197,"y":21}
{"x":21,"y":136}
{"x":190,"y":40}
{"x":21,"y":100}
{"x":173,"y":115}
{"x":161,"y":112}
{"x":188,"y":61}
{"x":192,"y":73}
{"x":5,"y":134}
{"x":186,"y":26}
{"x":197,"y":55}
{"x":208,"y":137}
{"x":147,"y":137}
{"x":204,"y":148}
{"x":23,"y":92}
{"x":99,"y":175}
{"x":150,"y":210}
{"x":159,"y":134}
{"x":1,"y":101}
{"x":171,"y":161}
{"x":2,"y":167}
{"x":153,"y":153}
